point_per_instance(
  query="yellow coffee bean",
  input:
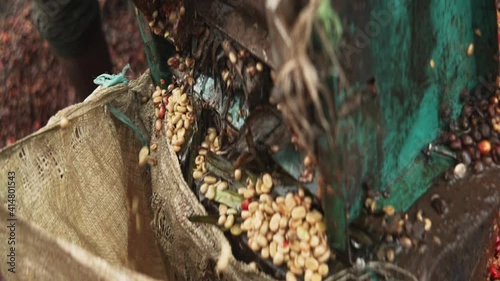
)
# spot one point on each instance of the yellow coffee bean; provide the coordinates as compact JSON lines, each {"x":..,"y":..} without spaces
{"x":222,"y":220}
{"x":323,"y":269}
{"x":229,"y":221}
{"x":197,"y":175}
{"x":210,"y":192}
{"x":311,"y":263}
{"x":210,"y":179}
{"x":237,"y":174}
{"x":274,"y":223}
{"x":236,"y":230}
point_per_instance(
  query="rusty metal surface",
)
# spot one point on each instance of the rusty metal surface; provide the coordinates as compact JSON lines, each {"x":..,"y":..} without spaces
{"x":241,"y":20}
{"x":465,"y":230}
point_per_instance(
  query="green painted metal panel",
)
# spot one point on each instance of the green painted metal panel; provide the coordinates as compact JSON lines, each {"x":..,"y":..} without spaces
{"x":411,"y":91}
{"x":157,"y":50}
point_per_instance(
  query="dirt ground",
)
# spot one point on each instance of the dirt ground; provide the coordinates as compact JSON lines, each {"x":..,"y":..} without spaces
{"x":32,"y":84}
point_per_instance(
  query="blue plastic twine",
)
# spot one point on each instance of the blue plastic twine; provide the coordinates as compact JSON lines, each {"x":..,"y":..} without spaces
{"x":108,"y":80}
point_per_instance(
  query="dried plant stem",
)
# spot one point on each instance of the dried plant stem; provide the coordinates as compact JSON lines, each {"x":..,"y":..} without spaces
{"x":299,"y":86}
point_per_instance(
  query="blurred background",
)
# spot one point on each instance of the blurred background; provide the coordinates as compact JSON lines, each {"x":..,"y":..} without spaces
{"x":32,"y":84}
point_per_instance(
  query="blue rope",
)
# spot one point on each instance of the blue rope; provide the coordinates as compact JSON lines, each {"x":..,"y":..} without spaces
{"x":108,"y":80}
{"x":124,"y":118}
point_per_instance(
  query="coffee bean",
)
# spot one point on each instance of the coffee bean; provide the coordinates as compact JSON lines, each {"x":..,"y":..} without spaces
{"x":456,"y":145}
{"x":474,"y":154}
{"x":465,"y":158}
{"x":452,"y":137}
{"x":485,"y":131}
{"x":474,"y":121}
{"x":467,"y":111}
{"x":439,"y":205}
{"x":476,"y":135}
{"x":467,"y":140}
{"x":487,"y":160}
{"x":496,"y":152}
{"x":491,"y":110}
{"x":478,"y":167}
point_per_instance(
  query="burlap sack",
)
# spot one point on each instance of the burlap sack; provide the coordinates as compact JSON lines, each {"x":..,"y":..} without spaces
{"x":86,"y":211}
